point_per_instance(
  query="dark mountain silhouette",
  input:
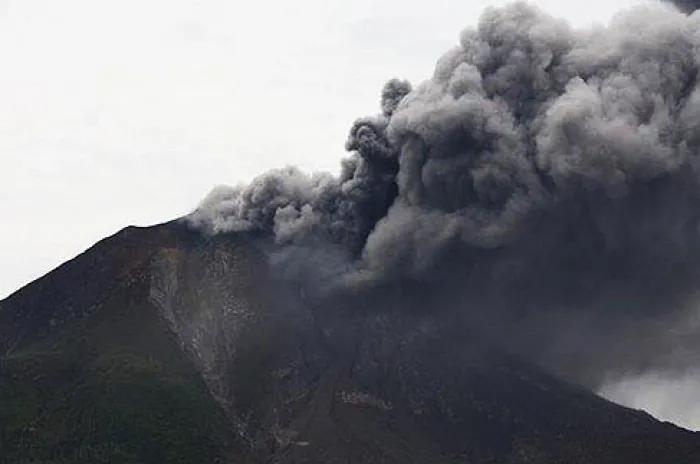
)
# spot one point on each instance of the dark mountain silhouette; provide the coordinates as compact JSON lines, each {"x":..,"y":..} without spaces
{"x":160,"y":345}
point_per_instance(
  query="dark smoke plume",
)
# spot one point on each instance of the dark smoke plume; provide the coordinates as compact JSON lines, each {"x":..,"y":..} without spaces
{"x":544,"y":181}
{"x":687,"y":6}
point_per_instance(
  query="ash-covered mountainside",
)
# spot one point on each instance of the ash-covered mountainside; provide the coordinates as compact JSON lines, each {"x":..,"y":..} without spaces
{"x":161,"y":345}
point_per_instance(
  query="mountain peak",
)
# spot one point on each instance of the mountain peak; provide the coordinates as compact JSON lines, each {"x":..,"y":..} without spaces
{"x":76,"y":288}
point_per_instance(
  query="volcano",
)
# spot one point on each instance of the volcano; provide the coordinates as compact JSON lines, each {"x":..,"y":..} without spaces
{"x":501,"y":241}
{"x":161,"y":344}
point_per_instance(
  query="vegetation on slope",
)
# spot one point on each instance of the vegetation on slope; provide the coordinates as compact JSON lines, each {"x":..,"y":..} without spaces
{"x":113,"y":387}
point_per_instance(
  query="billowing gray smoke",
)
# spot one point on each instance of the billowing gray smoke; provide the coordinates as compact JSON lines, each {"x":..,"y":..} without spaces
{"x":687,"y":6}
{"x":544,"y":180}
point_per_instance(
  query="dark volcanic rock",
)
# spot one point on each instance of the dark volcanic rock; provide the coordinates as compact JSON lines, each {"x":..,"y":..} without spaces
{"x":158,"y":345}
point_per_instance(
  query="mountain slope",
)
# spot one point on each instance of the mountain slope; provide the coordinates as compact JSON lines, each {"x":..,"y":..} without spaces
{"x":91,"y":373}
{"x":158,"y":345}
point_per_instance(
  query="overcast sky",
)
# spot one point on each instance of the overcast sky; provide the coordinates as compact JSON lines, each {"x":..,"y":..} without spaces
{"x":128,"y":112}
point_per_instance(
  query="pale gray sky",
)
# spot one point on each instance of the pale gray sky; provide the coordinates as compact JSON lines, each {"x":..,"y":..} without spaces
{"x":129,"y":112}
{"x":672,"y":398}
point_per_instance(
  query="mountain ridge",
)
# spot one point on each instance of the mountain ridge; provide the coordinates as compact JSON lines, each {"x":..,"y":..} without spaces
{"x":92,"y":372}
{"x":350,"y":382}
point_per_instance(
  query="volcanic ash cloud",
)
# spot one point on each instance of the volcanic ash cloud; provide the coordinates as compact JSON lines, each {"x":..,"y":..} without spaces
{"x":546,"y":176}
